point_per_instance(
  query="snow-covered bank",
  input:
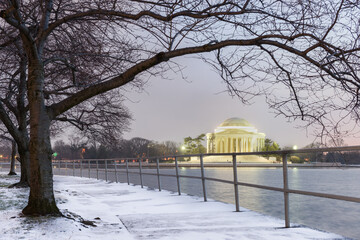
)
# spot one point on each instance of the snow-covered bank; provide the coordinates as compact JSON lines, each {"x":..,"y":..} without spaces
{"x":127,"y":212}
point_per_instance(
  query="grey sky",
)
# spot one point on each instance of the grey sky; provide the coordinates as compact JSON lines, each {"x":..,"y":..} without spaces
{"x":174,"y":109}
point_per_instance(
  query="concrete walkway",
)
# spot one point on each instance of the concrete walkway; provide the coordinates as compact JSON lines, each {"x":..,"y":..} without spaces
{"x":149,"y":214}
{"x":119,"y":211}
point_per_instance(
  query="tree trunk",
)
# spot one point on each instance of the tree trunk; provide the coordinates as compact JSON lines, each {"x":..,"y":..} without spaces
{"x":13,"y":155}
{"x":23,"y":145}
{"x":41,"y":199}
{"x":25,"y":169}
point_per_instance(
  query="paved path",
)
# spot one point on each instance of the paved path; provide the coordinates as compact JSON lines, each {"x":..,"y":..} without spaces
{"x":149,"y":214}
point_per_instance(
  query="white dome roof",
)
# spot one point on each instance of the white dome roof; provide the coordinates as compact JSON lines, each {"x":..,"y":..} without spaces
{"x":235,"y":122}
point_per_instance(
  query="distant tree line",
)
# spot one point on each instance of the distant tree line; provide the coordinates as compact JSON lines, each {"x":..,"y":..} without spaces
{"x":141,"y":147}
{"x":330,"y":157}
{"x":344,"y":158}
{"x":133,"y":148}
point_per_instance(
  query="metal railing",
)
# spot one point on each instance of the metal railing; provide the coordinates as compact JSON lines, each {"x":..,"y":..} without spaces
{"x":5,"y":166}
{"x":128,"y":164}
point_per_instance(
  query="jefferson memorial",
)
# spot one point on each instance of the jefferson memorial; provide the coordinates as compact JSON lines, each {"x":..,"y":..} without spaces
{"x":235,"y":135}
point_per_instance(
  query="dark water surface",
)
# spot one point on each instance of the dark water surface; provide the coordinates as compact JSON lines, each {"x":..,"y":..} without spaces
{"x":325,"y":214}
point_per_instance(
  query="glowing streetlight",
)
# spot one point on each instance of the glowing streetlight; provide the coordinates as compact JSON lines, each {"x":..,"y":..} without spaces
{"x":295,"y":147}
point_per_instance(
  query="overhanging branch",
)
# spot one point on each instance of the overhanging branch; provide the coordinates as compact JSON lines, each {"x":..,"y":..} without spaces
{"x":131,"y":73}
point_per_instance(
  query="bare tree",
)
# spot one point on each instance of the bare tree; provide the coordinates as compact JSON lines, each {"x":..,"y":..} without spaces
{"x":103,"y":119}
{"x":13,"y":101}
{"x":136,"y":147}
{"x":166,"y":148}
{"x":76,"y":50}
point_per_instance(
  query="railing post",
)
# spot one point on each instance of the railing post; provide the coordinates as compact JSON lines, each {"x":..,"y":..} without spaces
{"x":286,"y":188}
{"x":140,"y":171}
{"x":236,"y":187}
{"x":80,"y":167}
{"x":106,"y":173}
{"x":89,"y":167}
{"x":116,"y":176}
{"x":127,"y":171}
{"x":158,"y":173}
{"x":203,"y":177}
{"x":59,"y":167}
{"x":66,"y":170}
{"x":97,"y":169}
{"x":73,"y":168}
{"x":177,"y":175}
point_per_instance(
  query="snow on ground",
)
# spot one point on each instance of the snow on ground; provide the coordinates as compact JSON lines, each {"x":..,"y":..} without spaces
{"x":127,"y":212}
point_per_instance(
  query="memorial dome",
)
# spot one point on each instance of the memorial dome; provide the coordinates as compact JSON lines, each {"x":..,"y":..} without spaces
{"x":235,"y":122}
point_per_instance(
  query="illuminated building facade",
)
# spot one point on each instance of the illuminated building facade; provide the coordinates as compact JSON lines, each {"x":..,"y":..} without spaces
{"x":235,"y":135}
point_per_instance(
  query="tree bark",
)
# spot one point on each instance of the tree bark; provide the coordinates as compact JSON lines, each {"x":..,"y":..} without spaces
{"x":25,"y":167}
{"x":41,"y":199}
{"x":13,"y":155}
{"x":23,"y":145}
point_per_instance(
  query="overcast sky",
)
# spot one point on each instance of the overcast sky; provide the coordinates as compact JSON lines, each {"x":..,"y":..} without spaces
{"x":174,"y":109}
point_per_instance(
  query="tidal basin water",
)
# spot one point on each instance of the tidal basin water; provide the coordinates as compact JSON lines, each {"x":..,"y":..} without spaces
{"x":325,"y":214}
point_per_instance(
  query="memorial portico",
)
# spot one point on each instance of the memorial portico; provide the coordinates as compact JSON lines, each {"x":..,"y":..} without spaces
{"x":235,"y":135}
